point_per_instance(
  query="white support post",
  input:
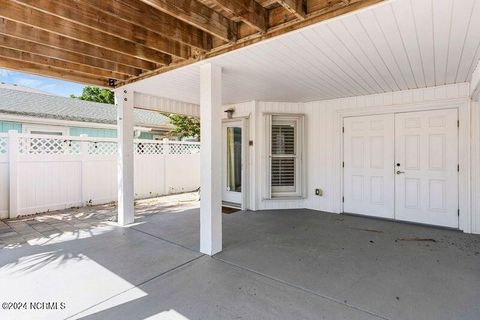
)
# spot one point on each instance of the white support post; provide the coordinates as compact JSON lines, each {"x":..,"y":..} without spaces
{"x":210,"y":159}
{"x":84,"y":159}
{"x":12,"y":173}
{"x":126,"y":211}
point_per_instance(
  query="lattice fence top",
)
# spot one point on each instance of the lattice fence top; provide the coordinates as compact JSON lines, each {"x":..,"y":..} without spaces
{"x":181,"y":148}
{"x":3,"y":145}
{"x":149,"y":148}
{"x":38,"y":145}
{"x":102,"y":148}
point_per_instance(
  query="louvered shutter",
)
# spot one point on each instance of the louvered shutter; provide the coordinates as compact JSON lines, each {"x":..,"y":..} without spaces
{"x":283,"y":156}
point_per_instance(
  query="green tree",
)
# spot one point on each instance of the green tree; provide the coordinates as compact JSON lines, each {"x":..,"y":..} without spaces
{"x":185,"y":126}
{"x":96,"y":94}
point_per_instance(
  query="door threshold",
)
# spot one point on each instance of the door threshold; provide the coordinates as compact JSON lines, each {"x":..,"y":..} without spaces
{"x":419,"y":224}
{"x":232,"y":205}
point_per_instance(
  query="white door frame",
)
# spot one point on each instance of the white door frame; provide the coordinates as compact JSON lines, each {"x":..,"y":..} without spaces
{"x":463,"y":106}
{"x":245,"y":157}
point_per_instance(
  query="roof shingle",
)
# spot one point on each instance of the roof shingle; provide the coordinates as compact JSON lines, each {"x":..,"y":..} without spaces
{"x":63,"y":108}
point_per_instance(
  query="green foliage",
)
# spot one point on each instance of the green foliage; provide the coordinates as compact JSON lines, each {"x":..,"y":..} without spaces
{"x":186,"y":126}
{"x":96,"y":94}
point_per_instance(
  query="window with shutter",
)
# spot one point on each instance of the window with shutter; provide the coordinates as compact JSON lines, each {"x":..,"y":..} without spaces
{"x":285,"y":161}
{"x":283,"y":156}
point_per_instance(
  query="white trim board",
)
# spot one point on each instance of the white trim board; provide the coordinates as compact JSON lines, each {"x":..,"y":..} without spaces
{"x":68,"y":123}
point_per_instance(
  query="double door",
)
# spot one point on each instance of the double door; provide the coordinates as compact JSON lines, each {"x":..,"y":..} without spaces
{"x":403,"y":166}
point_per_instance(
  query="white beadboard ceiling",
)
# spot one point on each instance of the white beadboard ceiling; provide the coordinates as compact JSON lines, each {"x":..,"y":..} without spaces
{"x":392,"y":46}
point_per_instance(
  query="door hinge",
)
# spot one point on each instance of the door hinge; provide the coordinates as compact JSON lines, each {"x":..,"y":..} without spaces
{"x":343,"y":129}
{"x":458,"y":168}
{"x":343,"y":164}
{"x":458,"y":123}
{"x":458,"y":212}
{"x":343,"y":199}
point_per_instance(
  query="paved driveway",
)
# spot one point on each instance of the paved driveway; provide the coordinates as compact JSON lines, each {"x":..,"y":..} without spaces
{"x":294,"y":264}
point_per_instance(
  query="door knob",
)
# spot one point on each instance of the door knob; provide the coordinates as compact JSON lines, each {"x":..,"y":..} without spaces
{"x":400,"y":172}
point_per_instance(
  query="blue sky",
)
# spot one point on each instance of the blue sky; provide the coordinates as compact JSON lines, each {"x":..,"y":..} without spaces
{"x":59,"y":87}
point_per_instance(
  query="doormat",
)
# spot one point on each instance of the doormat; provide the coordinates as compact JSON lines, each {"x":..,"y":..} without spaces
{"x":229,"y":210}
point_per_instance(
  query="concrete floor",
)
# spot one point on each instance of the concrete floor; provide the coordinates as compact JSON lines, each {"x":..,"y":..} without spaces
{"x":294,"y":264}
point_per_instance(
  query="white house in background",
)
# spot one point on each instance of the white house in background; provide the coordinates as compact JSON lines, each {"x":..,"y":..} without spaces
{"x":29,"y":110}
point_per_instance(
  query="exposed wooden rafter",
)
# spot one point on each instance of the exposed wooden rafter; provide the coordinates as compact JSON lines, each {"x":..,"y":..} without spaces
{"x":127,"y":40}
{"x":35,"y":35}
{"x":17,"y":12}
{"x":49,"y":52}
{"x":198,"y":15}
{"x":297,"y":7}
{"x":144,"y":16}
{"x":88,"y":18}
{"x":61,"y":64}
{"x":43,"y":70}
{"x":248,"y":11}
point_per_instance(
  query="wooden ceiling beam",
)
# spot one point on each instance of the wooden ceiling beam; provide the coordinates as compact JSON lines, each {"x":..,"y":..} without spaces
{"x":248,"y":11}
{"x":49,"y":52}
{"x":60,"y":64}
{"x":18,"y":12}
{"x":198,"y":15}
{"x":267,"y":3}
{"x":297,"y":7}
{"x":53,"y":72}
{"x":145,"y":16}
{"x":102,"y":23}
{"x":32,"y":34}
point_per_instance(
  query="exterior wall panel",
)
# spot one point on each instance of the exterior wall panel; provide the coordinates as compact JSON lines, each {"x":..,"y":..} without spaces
{"x":5,"y":126}
{"x":322,"y":127}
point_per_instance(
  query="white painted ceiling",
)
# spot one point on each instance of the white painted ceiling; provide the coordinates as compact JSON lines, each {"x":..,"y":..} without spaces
{"x":395,"y":45}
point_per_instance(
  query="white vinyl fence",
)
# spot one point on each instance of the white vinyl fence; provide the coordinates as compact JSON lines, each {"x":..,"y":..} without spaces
{"x":43,"y":172}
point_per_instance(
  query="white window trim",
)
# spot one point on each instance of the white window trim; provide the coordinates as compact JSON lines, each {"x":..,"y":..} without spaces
{"x":28,"y":128}
{"x":300,"y":179}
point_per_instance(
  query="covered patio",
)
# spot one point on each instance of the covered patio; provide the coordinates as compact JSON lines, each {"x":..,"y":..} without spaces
{"x":289,"y":264}
{"x":346,"y":132}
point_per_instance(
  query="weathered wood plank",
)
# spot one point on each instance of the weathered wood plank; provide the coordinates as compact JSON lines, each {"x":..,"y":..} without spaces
{"x":49,"y":52}
{"x":198,"y":15}
{"x":60,"y":64}
{"x":32,"y":34}
{"x":297,"y":7}
{"x":18,"y":12}
{"x":103,"y":23}
{"x":53,"y":72}
{"x":145,"y":16}
{"x":250,"y":12}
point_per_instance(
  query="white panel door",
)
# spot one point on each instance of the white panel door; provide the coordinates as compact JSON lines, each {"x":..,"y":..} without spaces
{"x":426,"y":159}
{"x":369,"y":165}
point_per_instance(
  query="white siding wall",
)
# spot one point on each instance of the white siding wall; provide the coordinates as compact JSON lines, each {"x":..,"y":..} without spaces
{"x":475,"y":167}
{"x":323,"y":143}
